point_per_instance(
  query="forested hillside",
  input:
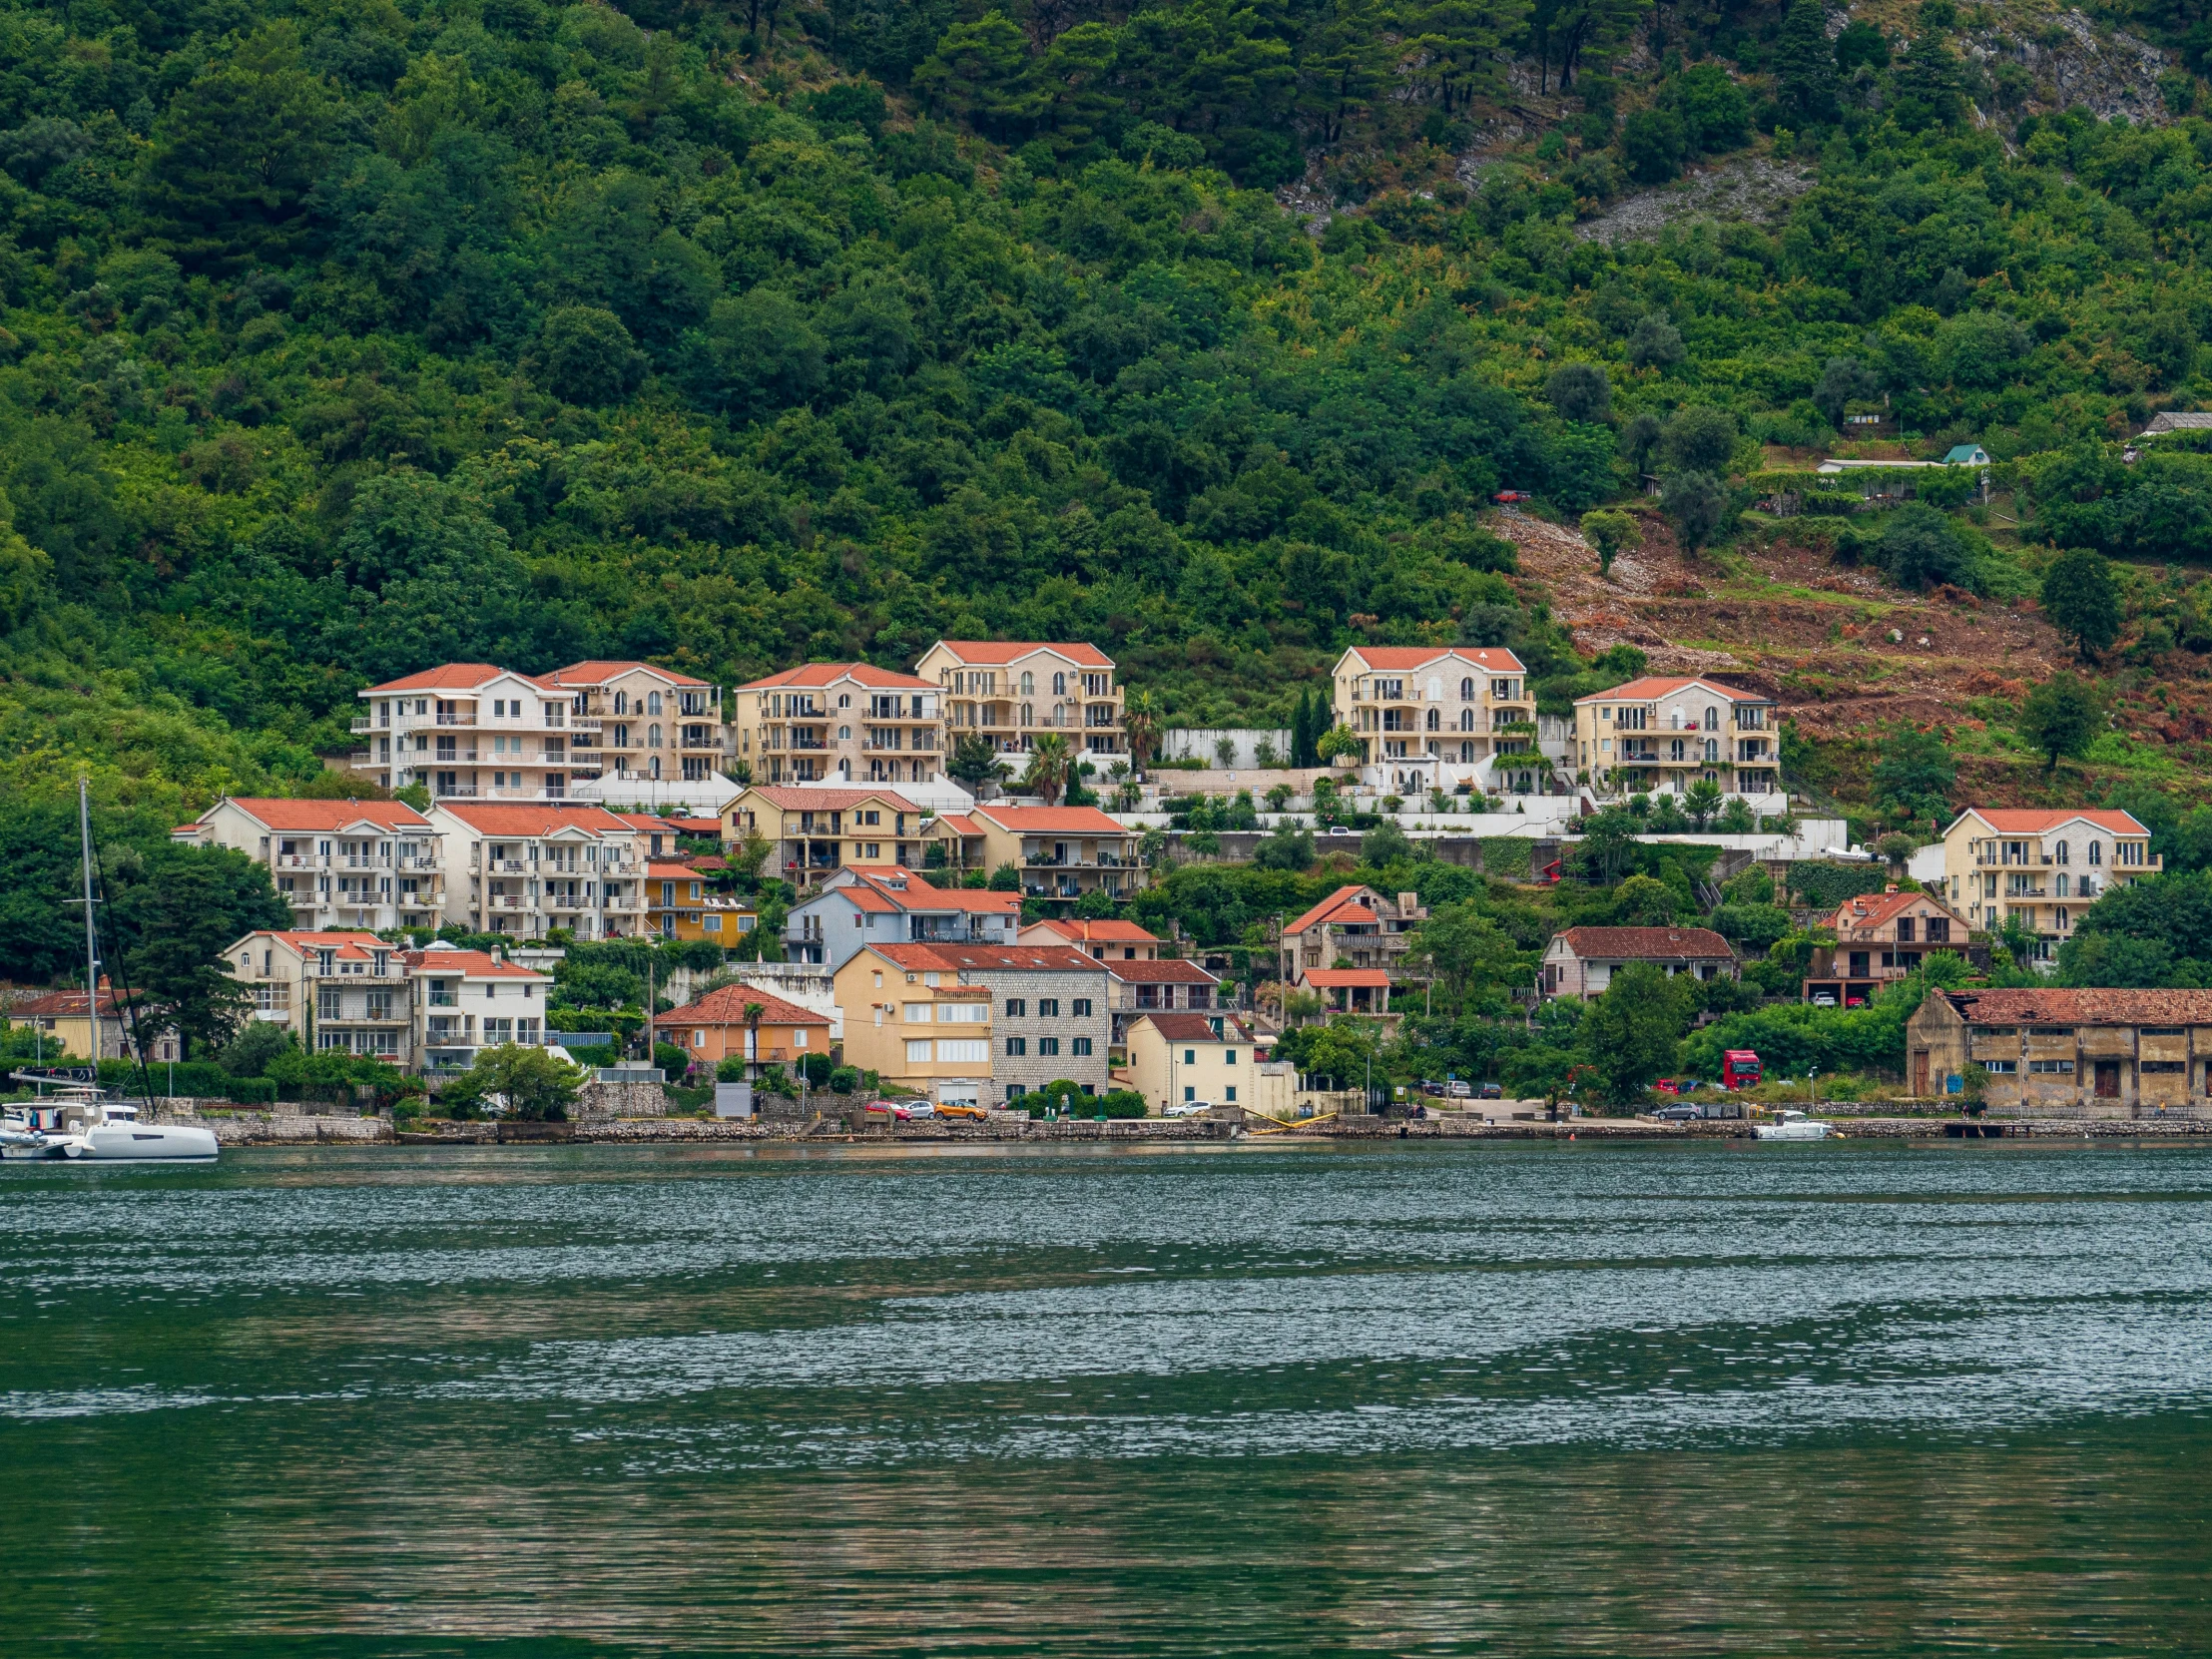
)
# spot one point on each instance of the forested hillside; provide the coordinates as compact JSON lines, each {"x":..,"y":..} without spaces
{"x":345,"y":339}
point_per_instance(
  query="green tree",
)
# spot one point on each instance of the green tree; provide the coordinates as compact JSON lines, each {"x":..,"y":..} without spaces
{"x":1844,"y":379}
{"x":1609,"y":530}
{"x":175,"y":926}
{"x":1702,"y":799}
{"x":1384,"y":844}
{"x":1580,"y":391}
{"x":1051,"y":765}
{"x":1142,"y":723}
{"x":980,"y":73}
{"x":1644,"y":901}
{"x":1655,"y":343}
{"x":2082,"y":599}
{"x":588,"y":357}
{"x":1920,"y":547}
{"x":1697,"y":503}
{"x":1468,"y":955}
{"x":1632,"y":1031}
{"x":1608,"y":842}
{"x":1699,"y":439}
{"x":1288,"y":848}
{"x":1803,"y":66}
{"x":974,"y":761}
{"x":1914,"y":774}
{"x":526,"y":1081}
{"x":2062,"y":716}
{"x":1652,"y":145}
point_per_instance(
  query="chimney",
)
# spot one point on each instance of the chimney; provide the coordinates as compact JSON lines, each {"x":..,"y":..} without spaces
{"x":1889,"y":888}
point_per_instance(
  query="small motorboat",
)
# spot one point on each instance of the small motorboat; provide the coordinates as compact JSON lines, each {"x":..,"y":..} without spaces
{"x":82,"y":1125}
{"x":1793,"y":1126}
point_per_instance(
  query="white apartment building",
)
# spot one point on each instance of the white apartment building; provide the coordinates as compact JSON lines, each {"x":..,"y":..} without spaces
{"x":338,"y":863}
{"x":1458,"y":705}
{"x":527,"y":869}
{"x":465,"y":1000}
{"x":1664,"y":734}
{"x":473,"y":732}
{"x":839,"y":721}
{"x":1015,"y":691}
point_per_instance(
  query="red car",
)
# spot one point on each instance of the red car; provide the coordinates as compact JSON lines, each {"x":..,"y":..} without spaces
{"x":1506,"y":497}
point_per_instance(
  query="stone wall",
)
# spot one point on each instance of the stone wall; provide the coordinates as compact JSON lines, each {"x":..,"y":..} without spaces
{"x":621,"y":1100}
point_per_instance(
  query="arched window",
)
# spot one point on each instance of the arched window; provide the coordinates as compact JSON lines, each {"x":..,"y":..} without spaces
{"x":652,"y":703}
{"x":844,"y":700}
{"x":2096,"y":852}
{"x":2061,"y":854}
{"x":845,"y":733}
{"x":1059,"y":685}
{"x":653,"y":738}
{"x":1028,"y":683}
{"x":1466,"y":720}
{"x":1712,"y":750}
{"x":2060,"y":885}
{"x":1435,"y":719}
{"x":1712,"y":718}
{"x":1466,"y":691}
{"x":622,"y":703}
{"x":1028,"y":718}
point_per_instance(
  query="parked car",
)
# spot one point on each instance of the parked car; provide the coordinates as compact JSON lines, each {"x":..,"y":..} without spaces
{"x":961,"y":1109}
{"x":1490,"y":1091}
{"x":1339,"y":830}
{"x":1680,"y":1112}
{"x":1506,"y":497}
{"x":1187,"y":1109}
{"x":1457,"y":1090}
{"x":1431,"y":1088}
{"x":920,"y":1108}
{"x":887,"y":1112}
{"x":1823,"y":999}
{"x":1677,"y":1085}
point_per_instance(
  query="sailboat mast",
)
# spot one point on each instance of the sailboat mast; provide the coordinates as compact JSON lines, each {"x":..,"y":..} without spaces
{"x":92,"y":948}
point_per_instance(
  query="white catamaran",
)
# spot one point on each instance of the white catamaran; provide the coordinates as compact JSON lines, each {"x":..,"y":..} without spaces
{"x":82,"y":1121}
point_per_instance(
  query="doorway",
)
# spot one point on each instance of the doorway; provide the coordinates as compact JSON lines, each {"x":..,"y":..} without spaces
{"x":2108,"y":1080}
{"x":1920,"y":1073}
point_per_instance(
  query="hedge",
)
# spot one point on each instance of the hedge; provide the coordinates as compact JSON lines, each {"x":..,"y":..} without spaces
{"x":1507,"y":856}
{"x":1826,"y":886}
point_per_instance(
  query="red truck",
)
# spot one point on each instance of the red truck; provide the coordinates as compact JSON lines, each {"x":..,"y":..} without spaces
{"x":1738,"y":1069}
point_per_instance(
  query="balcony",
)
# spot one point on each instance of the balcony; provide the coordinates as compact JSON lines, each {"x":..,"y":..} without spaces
{"x":299,"y":861}
{"x":365,"y":724}
{"x":455,"y":720}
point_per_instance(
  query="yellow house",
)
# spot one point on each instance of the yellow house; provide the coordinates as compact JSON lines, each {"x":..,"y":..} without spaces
{"x":814,"y":832}
{"x":1014,"y":692}
{"x":1193,"y":1060}
{"x":2043,"y":867}
{"x":1662,"y":733}
{"x":849,"y":721}
{"x":1061,"y":851}
{"x":682,"y":903}
{"x":913,"y":1020}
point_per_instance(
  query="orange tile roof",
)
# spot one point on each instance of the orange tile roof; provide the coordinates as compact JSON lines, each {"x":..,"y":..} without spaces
{"x":1352,"y":897}
{"x":61,"y":1004}
{"x":599,"y":673}
{"x":2027,"y":821}
{"x":1050,"y":820}
{"x":997,"y":652}
{"x":1655,"y":685}
{"x":813,"y":675}
{"x":661,"y":870}
{"x":1647,"y":944}
{"x":960,"y":824}
{"x":1404,"y":658}
{"x":540,"y":818}
{"x":445,"y":677}
{"x":887,"y":887}
{"x":2040,"y":1005}
{"x":1874,"y":908}
{"x":727,"y":1007}
{"x":470,"y":964}
{"x":1329,"y":979}
{"x":311,"y":938}
{"x":1097,"y":932}
{"x":791,"y":799}
{"x":1168,"y":970}
{"x":275,"y":813}
{"x":648,"y":821}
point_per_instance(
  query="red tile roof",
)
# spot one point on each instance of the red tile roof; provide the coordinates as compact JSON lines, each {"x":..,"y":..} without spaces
{"x":1405,"y":658}
{"x":2025,"y":820}
{"x":1195,"y":1028}
{"x":662,"y":870}
{"x":792,"y":798}
{"x":960,"y":824}
{"x":1876,"y":909}
{"x":1056,"y":958}
{"x":599,"y":673}
{"x":1329,"y":979}
{"x":308,"y":938}
{"x":1647,"y":944}
{"x":445,"y":677}
{"x":1348,"y":899}
{"x":1655,"y":685}
{"x":727,"y":1007}
{"x":2040,"y":1005}
{"x":829,"y":673}
{"x":997,"y":652}
{"x":470,"y":964}
{"x":60,"y":1005}
{"x":696,"y":826}
{"x":1050,"y":820}
{"x":1097,"y":932}
{"x":1169,"y":970}
{"x":874,"y":887}
{"x":539,"y":819}
{"x":277,"y":813}
{"x":648,"y":823}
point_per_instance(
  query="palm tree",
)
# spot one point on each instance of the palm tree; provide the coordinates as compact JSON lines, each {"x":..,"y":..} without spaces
{"x":1051,"y":763}
{"x":1141,"y":721}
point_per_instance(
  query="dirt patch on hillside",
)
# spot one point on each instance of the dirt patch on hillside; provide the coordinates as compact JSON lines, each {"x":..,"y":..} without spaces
{"x":1839,"y":648}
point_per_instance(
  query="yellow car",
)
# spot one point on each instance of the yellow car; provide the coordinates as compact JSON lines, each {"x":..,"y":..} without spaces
{"x":961,"y":1109}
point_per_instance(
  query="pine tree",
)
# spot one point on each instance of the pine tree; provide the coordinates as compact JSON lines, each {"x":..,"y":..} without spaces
{"x":1804,"y":65}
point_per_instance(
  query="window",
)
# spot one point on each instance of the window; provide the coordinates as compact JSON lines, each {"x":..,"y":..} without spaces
{"x":1028,"y":684}
{"x":1079,"y":1045}
{"x":1712,"y":720}
{"x":2000,"y":1068}
{"x":967,"y":1051}
{"x":1466,"y":690}
{"x":1190,"y":1058}
{"x":2131,"y":853}
{"x":964,"y":1013}
{"x":1017,"y":1046}
{"x":798,"y":1037}
{"x":2051,"y":1030}
{"x":1189,"y":1093}
{"x":2163,"y":1065}
{"x":1048,"y":1045}
{"x":1229,"y":1094}
{"x":2051,"y":1068}
{"x":2096,"y":852}
{"x":918,"y":1013}
{"x":652,"y":703}
{"x":1048,"y":1008}
{"x":1014,"y":1010}
{"x":2061,"y":853}
{"x":918,"y":1051}
{"x":1905,"y":929}
{"x":1228,"y":1056}
{"x":1080,"y":1008}
{"x":2164,"y":1030}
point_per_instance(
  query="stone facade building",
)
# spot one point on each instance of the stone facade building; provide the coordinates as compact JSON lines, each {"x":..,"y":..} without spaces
{"x":2097,"y":1053}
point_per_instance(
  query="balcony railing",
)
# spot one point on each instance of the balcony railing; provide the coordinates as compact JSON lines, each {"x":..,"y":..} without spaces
{"x":365,"y":724}
{"x":454,"y":791}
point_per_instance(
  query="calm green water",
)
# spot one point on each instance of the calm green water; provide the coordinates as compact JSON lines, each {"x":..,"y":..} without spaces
{"x":1850,"y":1399}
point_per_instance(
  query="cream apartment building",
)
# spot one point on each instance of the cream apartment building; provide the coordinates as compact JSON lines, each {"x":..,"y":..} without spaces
{"x":338,"y":863}
{"x":2043,"y":867}
{"x":849,"y":721}
{"x":918,"y":1021}
{"x":1060,"y":852}
{"x":814,"y":832}
{"x":638,"y":722}
{"x":473,"y":732}
{"x":1015,"y":693}
{"x":1659,"y":734}
{"x":1459,"y":705}
{"x":526,"y":869}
